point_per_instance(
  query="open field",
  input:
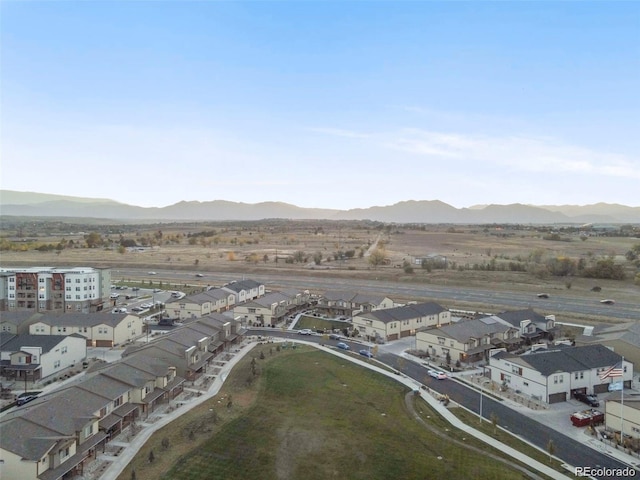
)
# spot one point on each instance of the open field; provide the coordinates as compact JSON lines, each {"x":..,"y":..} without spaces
{"x":308,"y":415}
{"x":498,"y":257}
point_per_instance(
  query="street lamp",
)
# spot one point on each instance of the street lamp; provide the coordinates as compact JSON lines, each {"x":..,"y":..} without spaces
{"x":486,"y":380}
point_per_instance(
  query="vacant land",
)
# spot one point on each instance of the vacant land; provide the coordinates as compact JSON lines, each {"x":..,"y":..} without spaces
{"x":306,"y":414}
{"x":502,"y":257}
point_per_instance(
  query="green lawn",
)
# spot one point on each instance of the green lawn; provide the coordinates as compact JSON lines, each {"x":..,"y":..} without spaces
{"x":315,"y":323}
{"x":316,"y":416}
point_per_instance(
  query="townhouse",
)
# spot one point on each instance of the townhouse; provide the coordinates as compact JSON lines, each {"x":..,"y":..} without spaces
{"x":267,"y":310}
{"x":394,"y":323}
{"x":17,"y":322}
{"x":34,"y":357}
{"x":532,"y":325}
{"x":245,"y":290}
{"x":200,"y":304}
{"x":99,"y":329}
{"x":468,"y":341}
{"x":55,"y":435}
{"x":339,"y":302}
{"x":555,"y":375}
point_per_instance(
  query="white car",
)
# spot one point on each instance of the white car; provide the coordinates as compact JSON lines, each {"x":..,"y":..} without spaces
{"x":437,"y":374}
{"x":151,"y":273}
{"x":305,"y":331}
{"x":114,"y":295}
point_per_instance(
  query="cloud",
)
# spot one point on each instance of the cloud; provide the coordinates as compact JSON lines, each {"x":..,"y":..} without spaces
{"x":516,"y":152}
{"x":337,"y":132}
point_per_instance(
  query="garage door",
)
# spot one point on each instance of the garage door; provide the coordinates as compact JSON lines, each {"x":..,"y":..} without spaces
{"x":601,"y":388}
{"x":558,"y":397}
{"x":104,"y":343}
{"x":392,"y":337}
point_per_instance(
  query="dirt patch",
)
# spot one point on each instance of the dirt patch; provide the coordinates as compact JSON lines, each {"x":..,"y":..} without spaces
{"x":294,"y":444}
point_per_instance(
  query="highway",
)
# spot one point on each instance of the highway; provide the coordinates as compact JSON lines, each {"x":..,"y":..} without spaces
{"x":450,"y":295}
{"x":569,"y":450}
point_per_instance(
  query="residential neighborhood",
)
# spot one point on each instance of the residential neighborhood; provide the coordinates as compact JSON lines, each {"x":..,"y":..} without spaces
{"x":517,"y":351}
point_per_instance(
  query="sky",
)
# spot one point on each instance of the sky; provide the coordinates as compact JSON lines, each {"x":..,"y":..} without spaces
{"x":324,"y":104}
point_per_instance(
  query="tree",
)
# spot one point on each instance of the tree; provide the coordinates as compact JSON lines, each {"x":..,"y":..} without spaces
{"x":317,"y":258}
{"x":408,"y":269}
{"x":551,"y":448}
{"x":152,"y":457}
{"x":377,"y":257}
{"x":133,"y":475}
{"x":448,"y":359}
{"x":93,"y":240}
{"x":165,"y":443}
{"x":494,"y":421}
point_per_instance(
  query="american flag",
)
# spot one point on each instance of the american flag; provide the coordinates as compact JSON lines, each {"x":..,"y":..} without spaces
{"x":615,"y":371}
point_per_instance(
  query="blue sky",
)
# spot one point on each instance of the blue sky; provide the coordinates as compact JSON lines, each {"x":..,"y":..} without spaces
{"x":322,"y":104}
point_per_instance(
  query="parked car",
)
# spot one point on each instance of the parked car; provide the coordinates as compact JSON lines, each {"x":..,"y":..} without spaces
{"x":366,"y":353}
{"x":137,"y":309}
{"x":590,"y":400}
{"x":437,"y":374}
{"x":343,"y":346}
{"x":335,"y":336}
{"x":26,"y":397}
{"x":157,"y":290}
{"x":114,"y":296}
{"x":135,"y":289}
{"x":305,"y":331}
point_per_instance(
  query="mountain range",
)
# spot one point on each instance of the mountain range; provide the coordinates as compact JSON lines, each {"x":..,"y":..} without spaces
{"x":30,"y":204}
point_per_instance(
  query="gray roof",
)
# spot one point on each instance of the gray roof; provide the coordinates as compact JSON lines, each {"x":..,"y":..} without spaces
{"x":26,"y":439}
{"x":514,"y":317}
{"x":465,"y":330}
{"x":628,"y":332}
{"x":108,"y":387}
{"x":82,"y":319}
{"x":240,"y":285}
{"x":267,"y":300}
{"x":353,"y":297}
{"x":406,"y":312}
{"x":19,"y":317}
{"x":128,"y":375}
{"x":569,"y":359}
{"x":17,"y":342}
{"x":218,"y":293}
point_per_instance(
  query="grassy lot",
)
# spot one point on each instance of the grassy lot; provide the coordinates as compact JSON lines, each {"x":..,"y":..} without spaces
{"x":306,"y":415}
{"x":315,"y":323}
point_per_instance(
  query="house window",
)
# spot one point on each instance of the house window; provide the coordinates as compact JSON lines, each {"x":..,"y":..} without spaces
{"x":440,"y":341}
{"x":555,"y":379}
{"x":64,"y":349}
{"x":88,"y":431}
{"x":56,"y":364}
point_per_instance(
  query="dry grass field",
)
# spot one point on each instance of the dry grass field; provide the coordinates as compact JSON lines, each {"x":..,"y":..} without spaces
{"x":339,"y":249}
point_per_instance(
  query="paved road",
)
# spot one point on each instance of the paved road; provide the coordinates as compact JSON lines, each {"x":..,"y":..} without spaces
{"x":569,"y":450}
{"x":558,"y":303}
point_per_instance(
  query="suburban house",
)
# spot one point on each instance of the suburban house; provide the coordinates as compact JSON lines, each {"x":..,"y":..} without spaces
{"x":346,"y":303}
{"x":34,"y":357}
{"x":468,"y":340}
{"x":49,"y":289}
{"x":555,"y":375}
{"x":265,"y":311}
{"x":623,"y":412}
{"x":99,"y":329}
{"x":393,"y":323}
{"x":55,"y":435}
{"x":532,"y":325}
{"x":245,"y":290}
{"x":622,"y":338}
